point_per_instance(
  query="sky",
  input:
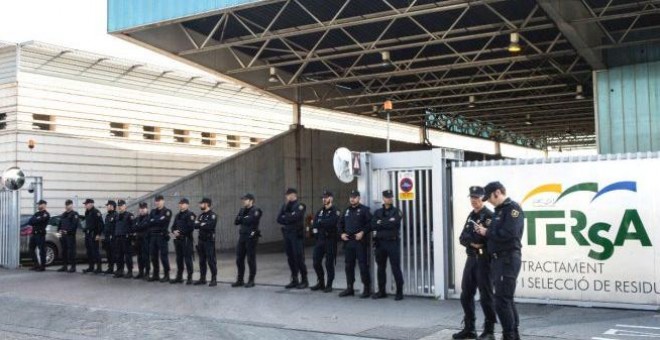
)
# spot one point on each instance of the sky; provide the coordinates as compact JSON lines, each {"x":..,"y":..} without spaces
{"x":78,"y":24}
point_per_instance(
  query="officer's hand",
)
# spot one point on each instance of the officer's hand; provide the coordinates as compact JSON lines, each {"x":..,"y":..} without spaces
{"x":176,"y":233}
{"x":477,"y":246}
{"x":344,"y":237}
{"x":97,"y":238}
{"x":392,"y":219}
{"x":359,"y":235}
{"x":480,"y":230}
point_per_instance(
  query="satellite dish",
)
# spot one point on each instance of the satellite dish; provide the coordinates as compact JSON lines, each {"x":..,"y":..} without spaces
{"x":13,"y":178}
{"x":342,"y":164}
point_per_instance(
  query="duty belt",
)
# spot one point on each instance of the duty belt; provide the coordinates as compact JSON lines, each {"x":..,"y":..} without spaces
{"x":501,"y":254}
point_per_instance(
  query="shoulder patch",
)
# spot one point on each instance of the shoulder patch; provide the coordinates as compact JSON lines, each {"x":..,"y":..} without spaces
{"x":515,"y":213}
{"x":98,"y":214}
{"x":301,"y":207}
{"x":256,"y":213}
{"x":213,"y":216}
{"x":338,"y":213}
{"x":488,"y":221}
{"x":167,"y":213}
{"x":192,"y":217}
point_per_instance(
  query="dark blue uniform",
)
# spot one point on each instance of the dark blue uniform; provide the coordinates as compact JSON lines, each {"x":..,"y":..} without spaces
{"x":93,"y":228}
{"x":108,"y":239}
{"x":356,"y":219}
{"x":39,"y":222}
{"x":292,"y":219}
{"x":184,"y":223}
{"x":206,"y":223}
{"x":140,"y":229}
{"x":67,"y":228}
{"x":159,"y":222}
{"x":386,"y":224}
{"x":476,"y":273}
{"x":248,"y":220}
{"x":123,"y":249}
{"x":504,"y":244}
{"x":324,"y":229}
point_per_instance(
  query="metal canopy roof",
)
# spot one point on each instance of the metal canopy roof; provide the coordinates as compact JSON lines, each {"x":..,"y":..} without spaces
{"x":449,"y":65}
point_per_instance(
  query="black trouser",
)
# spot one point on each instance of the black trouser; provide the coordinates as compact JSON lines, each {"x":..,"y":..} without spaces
{"x":123,"y":253}
{"x":505,"y":269}
{"x":184,"y":253}
{"x":142,"y":246}
{"x":357,"y":251}
{"x":158,"y":248}
{"x":389,"y":249}
{"x":206,"y":251}
{"x":295,"y":253}
{"x":246,"y":246}
{"x":108,"y":247}
{"x":68,"y":242}
{"x":38,"y":241}
{"x":325,"y":247}
{"x":476,"y":275}
{"x":92,"y":247}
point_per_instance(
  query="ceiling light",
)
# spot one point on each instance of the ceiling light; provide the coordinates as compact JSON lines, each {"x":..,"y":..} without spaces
{"x":385,"y":56}
{"x":579,"y":92}
{"x":514,"y":45}
{"x":273,"y":76}
{"x":471,"y":103}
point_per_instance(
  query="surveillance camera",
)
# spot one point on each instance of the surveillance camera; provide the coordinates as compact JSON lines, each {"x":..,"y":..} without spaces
{"x":31,"y":188}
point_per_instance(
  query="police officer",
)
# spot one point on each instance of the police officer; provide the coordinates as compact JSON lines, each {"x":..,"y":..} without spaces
{"x":476,"y":273}
{"x":109,"y":234}
{"x":386,"y":225}
{"x":248,"y":219}
{"x":504,"y":244}
{"x":354,"y":228}
{"x":67,"y":228}
{"x":324,"y":229}
{"x":292,"y":219}
{"x":206,"y":223}
{"x":39,"y":222}
{"x":142,"y":241}
{"x":182,"y":230}
{"x":159,"y":222}
{"x":123,"y":249}
{"x":93,"y":229}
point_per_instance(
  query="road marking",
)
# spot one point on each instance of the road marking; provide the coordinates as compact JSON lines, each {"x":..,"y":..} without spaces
{"x":597,"y":338}
{"x":630,"y":333}
{"x":643,"y":327}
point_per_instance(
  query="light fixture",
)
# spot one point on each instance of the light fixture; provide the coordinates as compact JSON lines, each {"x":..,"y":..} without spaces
{"x":471,"y":102}
{"x":374,"y":108}
{"x":579,"y":95}
{"x":385,"y":56}
{"x":514,"y":45}
{"x":529,"y":120}
{"x":387,"y":105}
{"x":273,"y":76}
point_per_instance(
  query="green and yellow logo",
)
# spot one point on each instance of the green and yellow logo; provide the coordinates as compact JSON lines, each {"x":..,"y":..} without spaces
{"x":630,"y":227}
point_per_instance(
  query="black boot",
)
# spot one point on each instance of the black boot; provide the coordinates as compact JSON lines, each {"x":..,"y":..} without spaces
{"x":347,"y":292}
{"x":293,"y":284}
{"x":72,"y":269}
{"x":328,"y":287}
{"x":380,"y":295}
{"x":189,"y":281}
{"x":509,"y":336}
{"x":89,"y":269}
{"x":468,"y":332}
{"x":178,"y":279}
{"x":201,"y":281}
{"x":303,"y":284}
{"x":111,"y":269}
{"x":41,"y":269}
{"x":366,"y":292}
{"x":489,"y":331}
{"x":239,"y":283}
{"x":139,"y":275}
{"x":213,"y":282}
{"x":119,"y":273}
{"x":320,"y":285}
{"x":129,"y":274}
{"x":250,"y":283}
{"x":399,"y":294}
{"x":154,"y":277}
{"x":516,"y":334}
{"x":98,"y":269}
{"x":166,"y":277}
{"x":62,"y":269}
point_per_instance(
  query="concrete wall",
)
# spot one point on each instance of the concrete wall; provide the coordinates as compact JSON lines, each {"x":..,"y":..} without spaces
{"x":266,"y":171}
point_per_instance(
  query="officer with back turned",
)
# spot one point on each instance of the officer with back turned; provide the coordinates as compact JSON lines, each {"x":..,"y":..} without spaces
{"x":476,"y":273}
{"x":354,"y":228}
{"x":93,"y":230}
{"x":206,"y":223}
{"x":123,"y":248}
{"x":39,"y":222}
{"x":109,"y":234}
{"x":324,"y":229}
{"x":504,"y":246}
{"x":182,"y":232}
{"x":292,"y":219}
{"x":159,"y":222}
{"x":386,"y":224}
{"x":141,"y":233}
{"x":248,"y":219}
{"x":67,"y":228}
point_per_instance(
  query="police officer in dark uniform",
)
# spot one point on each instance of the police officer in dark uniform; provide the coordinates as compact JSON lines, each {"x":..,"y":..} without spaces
{"x":67,"y":228}
{"x":292,"y":219}
{"x":206,"y":223}
{"x":182,"y":232}
{"x":504,"y":246}
{"x":93,"y":229}
{"x":159,"y":222}
{"x":354,"y":228}
{"x":476,"y":274}
{"x":109,"y":234}
{"x":123,"y":249}
{"x":386,"y":224}
{"x":248,"y":219}
{"x":324,"y":229}
{"x":142,"y":241}
{"x":39,"y":222}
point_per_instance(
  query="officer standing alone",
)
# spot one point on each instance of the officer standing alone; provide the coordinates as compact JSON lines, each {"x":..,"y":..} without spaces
{"x":182,"y":232}
{"x":248,"y":219}
{"x":206,"y":223}
{"x":93,"y":230}
{"x":109,"y":234}
{"x":123,"y":249}
{"x":354,"y":228}
{"x":39,"y":222}
{"x":292,"y":219}
{"x":324,"y":229}
{"x":476,"y":273}
{"x":67,"y":228}
{"x":386,"y":225}
{"x":159,"y":222}
{"x":504,"y":246}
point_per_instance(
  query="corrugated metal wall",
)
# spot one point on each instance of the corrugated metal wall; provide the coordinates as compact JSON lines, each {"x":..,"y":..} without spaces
{"x":628,"y":108}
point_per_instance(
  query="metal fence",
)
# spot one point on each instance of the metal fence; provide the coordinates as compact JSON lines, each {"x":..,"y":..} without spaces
{"x":9,"y":228}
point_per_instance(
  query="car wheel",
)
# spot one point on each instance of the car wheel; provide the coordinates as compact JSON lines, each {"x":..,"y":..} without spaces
{"x":51,"y":253}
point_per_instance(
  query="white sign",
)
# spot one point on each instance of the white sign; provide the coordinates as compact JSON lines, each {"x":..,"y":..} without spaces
{"x":592,"y":229}
{"x":406,"y":186}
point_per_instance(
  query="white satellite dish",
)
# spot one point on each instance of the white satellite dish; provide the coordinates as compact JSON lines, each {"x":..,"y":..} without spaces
{"x":342,"y":164}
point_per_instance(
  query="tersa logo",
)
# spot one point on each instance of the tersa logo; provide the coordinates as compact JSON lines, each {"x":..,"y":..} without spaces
{"x":602,"y":248}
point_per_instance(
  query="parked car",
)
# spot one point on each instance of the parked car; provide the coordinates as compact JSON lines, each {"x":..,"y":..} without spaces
{"x":53,"y":245}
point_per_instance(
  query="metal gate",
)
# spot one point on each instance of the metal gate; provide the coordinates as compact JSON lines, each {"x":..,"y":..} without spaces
{"x":9,"y":228}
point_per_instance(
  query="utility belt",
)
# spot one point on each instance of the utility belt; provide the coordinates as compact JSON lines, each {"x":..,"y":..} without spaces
{"x":390,"y":238}
{"x":207,"y":236}
{"x":38,"y":232}
{"x":120,"y":236}
{"x":183,"y":237}
{"x":504,"y":253}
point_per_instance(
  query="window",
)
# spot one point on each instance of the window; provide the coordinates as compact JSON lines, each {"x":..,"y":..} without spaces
{"x":208,"y":138}
{"x":181,"y":136}
{"x":43,"y":122}
{"x":254,"y":141}
{"x":118,"y":130}
{"x":150,"y":133}
{"x":3,"y":121}
{"x":234,"y":141}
